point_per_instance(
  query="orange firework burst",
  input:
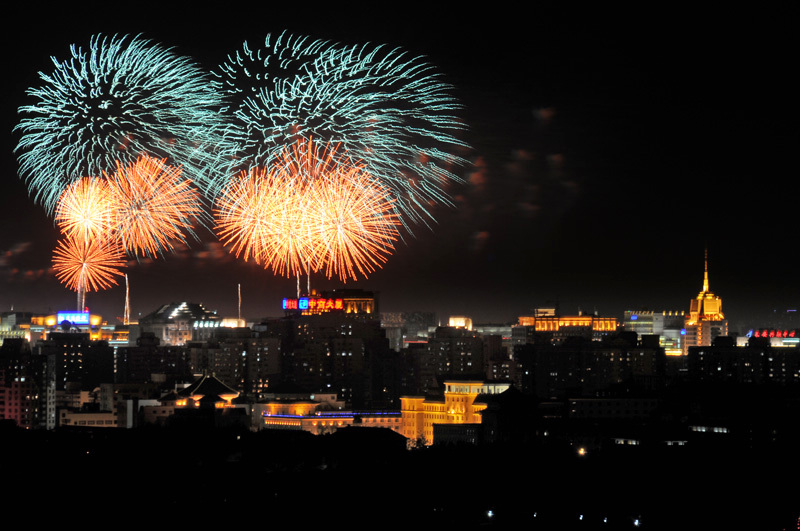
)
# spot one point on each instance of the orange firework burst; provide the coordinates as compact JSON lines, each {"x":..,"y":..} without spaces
{"x":260,"y":215}
{"x":312,"y":210}
{"x":85,"y":265}
{"x":153,"y":205}
{"x":356,"y":223}
{"x":85,"y":209}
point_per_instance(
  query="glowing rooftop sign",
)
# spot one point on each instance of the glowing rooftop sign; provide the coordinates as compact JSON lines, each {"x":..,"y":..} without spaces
{"x":772,"y":333}
{"x":78,"y":318}
{"x":313,"y":303}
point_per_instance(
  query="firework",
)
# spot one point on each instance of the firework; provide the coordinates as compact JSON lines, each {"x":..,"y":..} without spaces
{"x":87,"y":265}
{"x":120,"y":98}
{"x":260,"y":215}
{"x":153,"y":206}
{"x":312,"y":210}
{"x":85,"y":210}
{"x":355,"y":222}
{"x":389,"y":111}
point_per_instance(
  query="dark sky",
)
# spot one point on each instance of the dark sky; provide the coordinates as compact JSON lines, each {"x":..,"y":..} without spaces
{"x":609,"y":149}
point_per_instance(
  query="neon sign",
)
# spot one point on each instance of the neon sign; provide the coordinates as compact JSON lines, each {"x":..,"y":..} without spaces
{"x":313,"y":303}
{"x":774,"y":333}
{"x":78,"y":318}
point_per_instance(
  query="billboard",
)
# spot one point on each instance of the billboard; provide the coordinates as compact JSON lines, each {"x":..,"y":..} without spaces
{"x":76,"y":318}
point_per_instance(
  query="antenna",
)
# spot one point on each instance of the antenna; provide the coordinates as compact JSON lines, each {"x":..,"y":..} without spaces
{"x":240,"y":302}
{"x":126,"y":317}
{"x":82,"y":289}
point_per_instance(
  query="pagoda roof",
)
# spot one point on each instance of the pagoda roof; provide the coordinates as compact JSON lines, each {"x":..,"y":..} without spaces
{"x":208,"y":386}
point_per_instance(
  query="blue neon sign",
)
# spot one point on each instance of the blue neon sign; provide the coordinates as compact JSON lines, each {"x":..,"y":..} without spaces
{"x":78,"y":318}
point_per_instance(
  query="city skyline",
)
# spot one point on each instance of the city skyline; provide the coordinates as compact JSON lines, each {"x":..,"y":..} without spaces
{"x":605,"y":159}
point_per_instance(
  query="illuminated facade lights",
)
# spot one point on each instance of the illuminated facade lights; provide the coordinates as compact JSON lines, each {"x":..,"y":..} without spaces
{"x":459,"y":406}
{"x":349,"y":301}
{"x":311,"y":416}
{"x":705,"y":321}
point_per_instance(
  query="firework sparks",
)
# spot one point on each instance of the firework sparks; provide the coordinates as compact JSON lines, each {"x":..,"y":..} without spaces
{"x":260,"y":215}
{"x":86,"y":265}
{"x":312,"y":210}
{"x":153,"y":206}
{"x":114,"y":101}
{"x":355,"y":222}
{"x":85,"y":210}
{"x":384,"y":108}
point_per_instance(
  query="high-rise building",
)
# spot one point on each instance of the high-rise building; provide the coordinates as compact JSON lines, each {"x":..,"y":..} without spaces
{"x":407,"y":328}
{"x":27,"y":385}
{"x":667,"y":325}
{"x":582,"y":368}
{"x":78,"y":359}
{"x":335,"y":351}
{"x":705,"y":321}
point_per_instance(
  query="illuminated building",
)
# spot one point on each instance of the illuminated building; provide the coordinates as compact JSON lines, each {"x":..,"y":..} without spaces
{"x":205,"y":329}
{"x":558,"y":328}
{"x":34,"y":327}
{"x":15,"y":325}
{"x":318,"y":414}
{"x":777,"y":338}
{"x":459,"y":321}
{"x":89,"y":419}
{"x":206,"y":401}
{"x":705,"y":321}
{"x":352,"y":302}
{"x":174,"y":324}
{"x":667,"y":325}
{"x":207,"y":388}
{"x":460,"y":405}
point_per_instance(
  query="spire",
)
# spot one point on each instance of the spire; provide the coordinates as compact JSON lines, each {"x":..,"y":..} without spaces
{"x":705,"y":274}
{"x":126,"y":319}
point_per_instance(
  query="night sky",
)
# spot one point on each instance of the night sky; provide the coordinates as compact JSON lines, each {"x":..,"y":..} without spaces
{"x":609,"y":149}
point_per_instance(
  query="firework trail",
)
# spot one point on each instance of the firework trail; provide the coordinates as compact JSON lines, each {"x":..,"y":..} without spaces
{"x":387,"y":110}
{"x":120,"y":98}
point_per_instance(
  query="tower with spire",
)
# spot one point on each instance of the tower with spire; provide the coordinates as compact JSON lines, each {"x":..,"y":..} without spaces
{"x":705,"y":320}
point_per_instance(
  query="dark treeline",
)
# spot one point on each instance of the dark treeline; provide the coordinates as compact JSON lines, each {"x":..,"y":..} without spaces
{"x":366,"y":478}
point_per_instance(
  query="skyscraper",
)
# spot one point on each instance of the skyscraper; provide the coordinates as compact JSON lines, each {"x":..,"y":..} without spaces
{"x":705,"y":320}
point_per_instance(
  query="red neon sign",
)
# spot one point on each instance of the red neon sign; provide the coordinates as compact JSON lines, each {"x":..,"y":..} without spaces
{"x":313,"y":303}
{"x":773,"y":333}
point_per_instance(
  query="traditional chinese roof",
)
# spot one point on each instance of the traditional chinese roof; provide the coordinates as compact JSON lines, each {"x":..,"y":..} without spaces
{"x":208,"y":386}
